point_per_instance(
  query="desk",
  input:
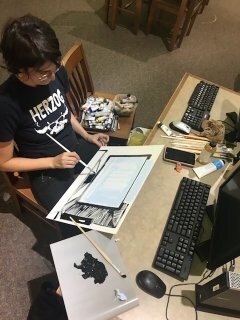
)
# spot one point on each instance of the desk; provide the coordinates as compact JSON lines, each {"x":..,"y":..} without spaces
{"x":142,"y":229}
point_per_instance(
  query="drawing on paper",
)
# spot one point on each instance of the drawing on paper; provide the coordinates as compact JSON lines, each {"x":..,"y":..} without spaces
{"x":92,"y":268}
{"x":102,"y":201}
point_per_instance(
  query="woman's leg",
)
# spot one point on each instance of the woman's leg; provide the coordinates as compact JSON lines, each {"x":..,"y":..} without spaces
{"x":48,"y":186}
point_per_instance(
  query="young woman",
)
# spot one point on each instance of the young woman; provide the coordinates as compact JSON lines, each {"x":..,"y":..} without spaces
{"x":33,"y":106}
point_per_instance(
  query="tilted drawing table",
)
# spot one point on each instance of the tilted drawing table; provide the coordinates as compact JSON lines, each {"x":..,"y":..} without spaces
{"x":142,"y":229}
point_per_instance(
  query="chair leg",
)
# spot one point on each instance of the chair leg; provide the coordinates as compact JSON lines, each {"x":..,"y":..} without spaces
{"x":150,"y":19}
{"x":138,"y":10}
{"x":117,"y":8}
{"x":111,"y":14}
{"x":191,"y":25}
{"x":17,"y":204}
{"x":178,"y":30}
{"x":204,"y":3}
{"x":115,"y":4}
{"x":107,"y":7}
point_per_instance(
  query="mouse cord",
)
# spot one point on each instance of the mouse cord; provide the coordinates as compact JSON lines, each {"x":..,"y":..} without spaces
{"x":180,"y":296}
{"x":205,"y":276}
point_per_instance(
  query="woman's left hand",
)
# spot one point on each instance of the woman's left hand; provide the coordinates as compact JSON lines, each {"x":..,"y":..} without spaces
{"x":100,"y":139}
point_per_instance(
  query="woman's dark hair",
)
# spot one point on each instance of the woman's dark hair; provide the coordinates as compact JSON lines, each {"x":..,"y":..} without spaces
{"x":28,"y":42}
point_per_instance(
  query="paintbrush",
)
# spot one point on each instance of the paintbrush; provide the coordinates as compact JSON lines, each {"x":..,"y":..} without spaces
{"x":185,"y":137}
{"x":64,"y":148}
{"x":96,"y":246}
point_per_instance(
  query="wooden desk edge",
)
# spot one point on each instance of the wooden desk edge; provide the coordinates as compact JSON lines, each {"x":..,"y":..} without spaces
{"x":173,"y":98}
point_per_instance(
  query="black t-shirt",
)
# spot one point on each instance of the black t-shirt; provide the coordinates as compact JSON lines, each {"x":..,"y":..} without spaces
{"x":28,"y":113}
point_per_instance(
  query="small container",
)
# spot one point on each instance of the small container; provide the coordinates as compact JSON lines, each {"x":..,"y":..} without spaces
{"x":208,"y":168}
{"x":124,"y":104}
{"x":164,"y":128}
{"x":208,"y":150}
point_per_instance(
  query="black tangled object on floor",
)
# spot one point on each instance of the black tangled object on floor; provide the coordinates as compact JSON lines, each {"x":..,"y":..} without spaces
{"x":48,"y":305}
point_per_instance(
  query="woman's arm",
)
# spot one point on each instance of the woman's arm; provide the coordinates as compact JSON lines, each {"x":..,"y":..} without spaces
{"x":100,"y":139}
{"x":10,"y":163}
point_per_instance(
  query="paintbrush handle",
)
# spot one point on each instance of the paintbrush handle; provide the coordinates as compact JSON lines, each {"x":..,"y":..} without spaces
{"x":186,"y":137}
{"x":64,"y":148}
{"x":96,"y":246}
{"x":196,"y":137}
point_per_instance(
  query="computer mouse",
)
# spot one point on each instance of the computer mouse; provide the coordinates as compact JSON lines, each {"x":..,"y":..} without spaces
{"x":149,"y":282}
{"x":180,"y":127}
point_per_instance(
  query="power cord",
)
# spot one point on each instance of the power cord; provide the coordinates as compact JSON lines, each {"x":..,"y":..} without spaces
{"x":180,"y":296}
{"x":205,"y":276}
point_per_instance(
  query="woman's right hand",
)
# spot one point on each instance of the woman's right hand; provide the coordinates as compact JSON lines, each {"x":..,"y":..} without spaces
{"x":65,"y":160}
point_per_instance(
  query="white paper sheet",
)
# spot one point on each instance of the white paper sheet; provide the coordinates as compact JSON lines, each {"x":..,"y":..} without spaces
{"x":105,"y":199}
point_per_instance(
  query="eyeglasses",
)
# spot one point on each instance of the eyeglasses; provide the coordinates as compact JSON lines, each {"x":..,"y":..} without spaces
{"x":47,"y":74}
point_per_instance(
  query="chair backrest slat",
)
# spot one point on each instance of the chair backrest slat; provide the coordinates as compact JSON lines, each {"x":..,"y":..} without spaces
{"x":80,"y":82}
{"x":81,"y":85}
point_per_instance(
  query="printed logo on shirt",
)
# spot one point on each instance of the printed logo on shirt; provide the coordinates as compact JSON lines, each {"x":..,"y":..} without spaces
{"x":44,"y":110}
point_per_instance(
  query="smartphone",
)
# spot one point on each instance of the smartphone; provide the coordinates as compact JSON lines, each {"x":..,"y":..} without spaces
{"x":175,"y":155}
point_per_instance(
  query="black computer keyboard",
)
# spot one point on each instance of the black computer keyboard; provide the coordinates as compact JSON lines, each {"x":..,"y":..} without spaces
{"x":200,"y":105}
{"x":175,"y":252}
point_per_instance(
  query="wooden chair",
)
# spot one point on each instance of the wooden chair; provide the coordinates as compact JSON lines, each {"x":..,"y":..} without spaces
{"x":183,"y":14}
{"x":81,"y":87}
{"x":131,"y":8}
{"x":81,"y":84}
{"x":20,"y":189}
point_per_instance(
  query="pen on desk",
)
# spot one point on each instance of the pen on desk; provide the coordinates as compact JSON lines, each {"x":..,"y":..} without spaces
{"x":189,"y":136}
{"x":185,"y":137}
{"x":64,"y":148}
{"x":99,"y":249}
